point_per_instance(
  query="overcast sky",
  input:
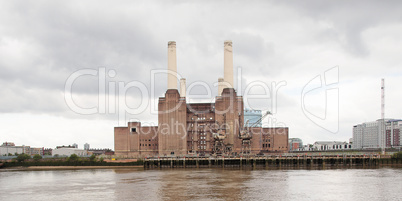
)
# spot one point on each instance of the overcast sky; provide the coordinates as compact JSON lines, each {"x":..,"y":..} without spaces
{"x":326,"y":58}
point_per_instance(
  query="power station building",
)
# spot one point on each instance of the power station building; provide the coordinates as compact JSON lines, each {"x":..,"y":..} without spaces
{"x":191,"y":128}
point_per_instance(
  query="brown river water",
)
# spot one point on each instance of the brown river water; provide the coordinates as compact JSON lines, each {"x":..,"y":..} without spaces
{"x":201,"y":184}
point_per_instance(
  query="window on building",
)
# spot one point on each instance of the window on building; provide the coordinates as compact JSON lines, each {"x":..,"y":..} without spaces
{"x":133,"y":130}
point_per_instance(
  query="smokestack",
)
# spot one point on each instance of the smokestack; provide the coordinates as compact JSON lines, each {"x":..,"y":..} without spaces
{"x":172,"y":65}
{"x":228,"y":63}
{"x":183,"y":87}
{"x":221,"y":86}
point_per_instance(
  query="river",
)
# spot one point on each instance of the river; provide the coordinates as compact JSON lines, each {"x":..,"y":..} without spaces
{"x":201,"y":184}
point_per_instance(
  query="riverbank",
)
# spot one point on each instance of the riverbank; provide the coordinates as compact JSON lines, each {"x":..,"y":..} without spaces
{"x":69,"y":167}
{"x":63,"y":164}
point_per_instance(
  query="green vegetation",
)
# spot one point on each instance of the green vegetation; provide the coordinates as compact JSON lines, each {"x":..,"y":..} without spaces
{"x":73,"y":158}
{"x":37,"y":157}
{"x":92,"y":158}
{"x":25,"y":160}
{"x":66,"y":162}
{"x":397,"y":155}
{"x":23,"y":157}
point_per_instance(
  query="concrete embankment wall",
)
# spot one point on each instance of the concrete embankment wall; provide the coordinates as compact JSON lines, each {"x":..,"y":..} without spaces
{"x":271,"y":162}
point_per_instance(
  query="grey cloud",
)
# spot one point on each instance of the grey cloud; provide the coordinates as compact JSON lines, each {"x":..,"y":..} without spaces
{"x":42,"y":44}
{"x":350,"y":18}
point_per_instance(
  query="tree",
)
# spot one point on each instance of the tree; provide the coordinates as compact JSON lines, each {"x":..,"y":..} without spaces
{"x":37,"y":157}
{"x":101,"y":159}
{"x":23,"y":157}
{"x":397,"y":155}
{"x":73,"y":157}
{"x":92,"y":158}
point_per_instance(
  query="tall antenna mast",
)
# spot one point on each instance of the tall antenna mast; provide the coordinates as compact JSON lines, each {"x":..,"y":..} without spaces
{"x":382,"y":98}
{"x":383,"y":127}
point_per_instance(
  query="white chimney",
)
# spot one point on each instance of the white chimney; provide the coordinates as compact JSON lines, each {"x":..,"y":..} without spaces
{"x":172,"y":65}
{"x":220,"y":86}
{"x":183,"y":87}
{"x":228,"y":63}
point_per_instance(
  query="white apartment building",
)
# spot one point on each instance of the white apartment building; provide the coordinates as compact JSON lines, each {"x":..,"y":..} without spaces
{"x":370,"y":135}
{"x":69,"y":152}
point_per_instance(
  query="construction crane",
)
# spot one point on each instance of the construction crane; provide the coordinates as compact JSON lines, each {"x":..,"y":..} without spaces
{"x":246,"y":135}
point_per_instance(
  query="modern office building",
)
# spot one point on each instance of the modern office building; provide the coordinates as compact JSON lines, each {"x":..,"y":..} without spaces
{"x":369,"y":134}
{"x":295,"y":144}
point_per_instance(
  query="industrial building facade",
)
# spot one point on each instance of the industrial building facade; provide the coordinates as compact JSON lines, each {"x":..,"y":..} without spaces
{"x":192,"y":128}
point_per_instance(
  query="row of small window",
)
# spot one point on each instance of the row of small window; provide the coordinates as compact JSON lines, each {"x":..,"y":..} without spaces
{"x":148,"y":145}
{"x":203,"y":142}
{"x":203,"y":137}
{"x":201,"y":118}
{"x":269,"y":140}
{"x":202,"y":147}
{"x":146,"y":140}
{"x":340,"y":146}
{"x":266,"y":145}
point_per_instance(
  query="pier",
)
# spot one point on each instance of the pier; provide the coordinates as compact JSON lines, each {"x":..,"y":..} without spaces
{"x":327,"y":161}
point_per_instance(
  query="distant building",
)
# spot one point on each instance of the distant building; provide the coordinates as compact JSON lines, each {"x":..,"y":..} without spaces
{"x":69,"y":146}
{"x":369,"y":134}
{"x":86,"y":146}
{"x":9,"y":148}
{"x":251,"y":117}
{"x":100,"y":151}
{"x":8,"y":144}
{"x":69,"y":152}
{"x":295,"y":144}
{"x":331,"y":145}
{"x":75,"y":145}
{"x":34,"y":151}
{"x":47,"y":151}
{"x":393,"y":133}
{"x":307,"y":147}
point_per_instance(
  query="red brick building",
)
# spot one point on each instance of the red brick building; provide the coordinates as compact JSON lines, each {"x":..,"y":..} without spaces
{"x":188,"y":128}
